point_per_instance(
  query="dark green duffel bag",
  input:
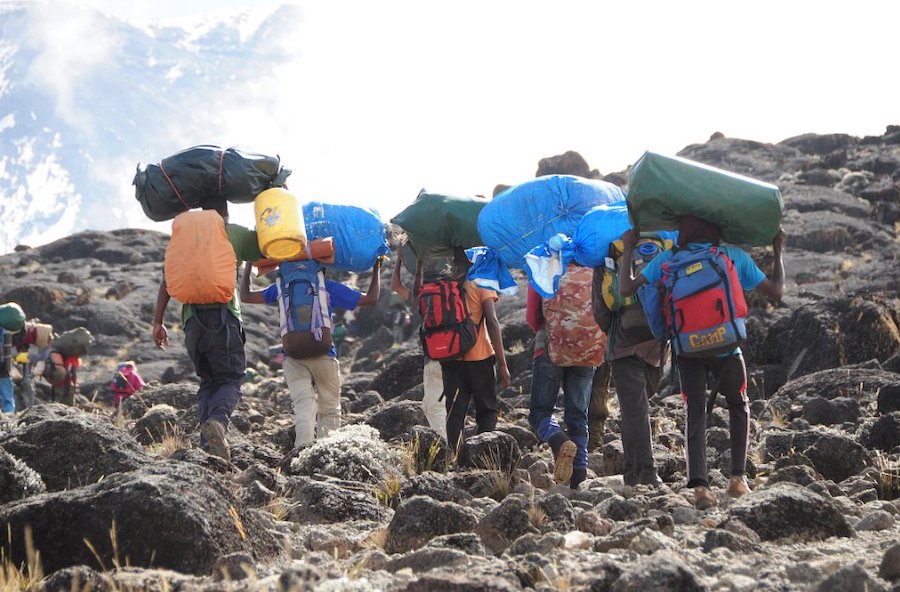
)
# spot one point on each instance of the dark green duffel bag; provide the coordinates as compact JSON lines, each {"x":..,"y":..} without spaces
{"x":662,"y":188}
{"x":436,"y":223}
{"x":12,"y":317}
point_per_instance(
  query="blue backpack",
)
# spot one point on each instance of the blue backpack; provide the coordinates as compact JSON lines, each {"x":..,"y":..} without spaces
{"x":699,"y":303}
{"x":305,"y":313}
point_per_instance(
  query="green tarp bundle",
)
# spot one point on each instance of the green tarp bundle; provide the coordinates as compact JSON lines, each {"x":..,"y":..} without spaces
{"x":12,"y":317}
{"x":436,"y":223}
{"x":662,"y":188}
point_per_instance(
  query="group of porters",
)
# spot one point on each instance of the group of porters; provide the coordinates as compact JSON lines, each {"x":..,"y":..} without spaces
{"x":555,"y":228}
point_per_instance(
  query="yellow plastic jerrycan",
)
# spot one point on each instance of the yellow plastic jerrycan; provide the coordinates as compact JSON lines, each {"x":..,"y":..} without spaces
{"x":279,"y":224}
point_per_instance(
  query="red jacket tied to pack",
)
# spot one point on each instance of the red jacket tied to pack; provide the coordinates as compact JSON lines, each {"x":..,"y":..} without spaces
{"x":200,"y":264}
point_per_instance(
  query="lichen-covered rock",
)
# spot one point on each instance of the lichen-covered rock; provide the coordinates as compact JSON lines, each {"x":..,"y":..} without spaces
{"x":420,"y":519}
{"x":353,"y":453}
{"x":157,"y":512}
{"x":504,"y":524}
{"x":789,"y":510}
{"x":73,"y":450}
{"x":17,"y":480}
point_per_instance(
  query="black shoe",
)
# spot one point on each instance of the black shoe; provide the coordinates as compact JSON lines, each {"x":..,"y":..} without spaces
{"x":579,"y":475}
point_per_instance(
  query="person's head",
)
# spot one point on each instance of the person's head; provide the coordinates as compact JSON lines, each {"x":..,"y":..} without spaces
{"x":461,"y":263}
{"x":693,"y":229}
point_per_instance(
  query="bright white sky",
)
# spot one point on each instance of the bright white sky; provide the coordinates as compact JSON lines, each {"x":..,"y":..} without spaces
{"x":386,"y":97}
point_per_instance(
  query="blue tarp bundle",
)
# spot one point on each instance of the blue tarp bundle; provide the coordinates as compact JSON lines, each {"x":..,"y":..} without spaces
{"x":489,"y":272}
{"x":526,"y":215}
{"x":359,"y":234}
{"x":589,"y":246}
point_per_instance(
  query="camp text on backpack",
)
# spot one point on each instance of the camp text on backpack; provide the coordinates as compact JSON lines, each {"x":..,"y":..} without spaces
{"x":704,"y":306}
{"x":447,"y":329}
{"x":306,"y":328}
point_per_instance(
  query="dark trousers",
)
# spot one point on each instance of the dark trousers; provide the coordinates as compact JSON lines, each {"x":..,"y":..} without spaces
{"x":214,"y":340}
{"x":466,"y":382}
{"x":598,"y":409}
{"x":635,"y":382}
{"x":730,"y":376}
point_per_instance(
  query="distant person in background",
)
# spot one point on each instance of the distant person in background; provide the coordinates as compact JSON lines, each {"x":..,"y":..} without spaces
{"x":696,"y":235}
{"x":314,"y":381}
{"x":125,"y":382}
{"x":7,"y":399}
{"x":214,"y":339}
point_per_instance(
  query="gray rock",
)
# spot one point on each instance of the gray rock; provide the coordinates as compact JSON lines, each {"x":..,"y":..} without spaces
{"x":496,"y":451}
{"x":890,"y":563}
{"x":536,"y":543}
{"x":180,"y":395}
{"x":402,"y":373}
{"x":851,"y":578}
{"x":877,"y":520}
{"x":504,"y":524}
{"x":364,"y":402}
{"x":171,"y":507}
{"x":157,"y":423}
{"x":788,"y":510}
{"x":88,"y":448}
{"x":17,"y":480}
{"x":822,"y":411}
{"x":429,"y":450}
{"x":717,"y":537}
{"x":467,"y":542}
{"x":799,"y":474}
{"x":434,"y":485}
{"x":396,"y":418}
{"x":427,"y":559}
{"x":884,"y":434}
{"x":234,"y":566}
{"x":660,"y":572}
{"x":460,"y":583}
{"x":838,"y":457}
{"x":559,"y":511}
{"x":327,"y":502}
{"x":889,"y":398}
{"x":420,"y":519}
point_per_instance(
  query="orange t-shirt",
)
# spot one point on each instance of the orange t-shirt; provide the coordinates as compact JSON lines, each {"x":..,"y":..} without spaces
{"x":475,"y":299}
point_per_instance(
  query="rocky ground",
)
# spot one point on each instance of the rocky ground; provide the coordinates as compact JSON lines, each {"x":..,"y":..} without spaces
{"x":131,"y":503}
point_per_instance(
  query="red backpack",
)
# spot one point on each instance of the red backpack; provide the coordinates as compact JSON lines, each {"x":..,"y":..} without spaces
{"x":447,"y":329}
{"x":705,"y":309}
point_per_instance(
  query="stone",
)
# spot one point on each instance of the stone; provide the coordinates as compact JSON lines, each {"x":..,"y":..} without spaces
{"x":663,"y":572}
{"x":851,"y":578}
{"x":396,"y":418}
{"x":328,"y":502}
{"x":504,"y":524}
{"x":890,"y":563}
{"x":838,"y":457}
{"x":158,"y":422}
{"x":877,"y":520}
{"x":420,"y":519}
{"x":17,"y":480}
{"x":495,"y":451}
{"x":884,"y":434}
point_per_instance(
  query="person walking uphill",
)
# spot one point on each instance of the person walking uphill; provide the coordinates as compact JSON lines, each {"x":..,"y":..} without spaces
{"x":572,"y":349}
{"x":311,"y":369}
{"x":634,"y":355}
{"x":470,"y":378}
{"x":201,"y":272}
{"x":709,"y":326}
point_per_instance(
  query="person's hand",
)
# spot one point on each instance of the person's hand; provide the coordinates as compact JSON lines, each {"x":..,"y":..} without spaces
{"x":160,"y":335}
{"x":630,"y":238}
{"x":503,"y":376}
{"x":377,"y":265}
{"x":778,"y":241}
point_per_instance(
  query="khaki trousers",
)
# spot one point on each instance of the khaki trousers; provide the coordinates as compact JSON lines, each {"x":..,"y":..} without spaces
{"x":315,"y":387}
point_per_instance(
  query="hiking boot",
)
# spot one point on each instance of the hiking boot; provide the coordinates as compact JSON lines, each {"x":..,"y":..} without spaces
{"x":214,"y":433}
{"x":562,"y":471}
{"x":703,"y":498}
{"x":737,"y":487}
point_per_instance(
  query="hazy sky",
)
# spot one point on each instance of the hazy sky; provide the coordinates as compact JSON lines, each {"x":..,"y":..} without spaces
{"x":386,"y":97}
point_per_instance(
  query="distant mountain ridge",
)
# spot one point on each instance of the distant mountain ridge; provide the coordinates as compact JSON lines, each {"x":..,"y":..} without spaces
{"x":84,"y":97}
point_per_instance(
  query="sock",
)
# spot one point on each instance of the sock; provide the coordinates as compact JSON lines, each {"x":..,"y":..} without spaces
{"x":548,"y":428}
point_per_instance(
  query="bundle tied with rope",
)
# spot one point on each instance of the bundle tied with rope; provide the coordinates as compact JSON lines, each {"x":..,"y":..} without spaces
{"x":203,"y":175}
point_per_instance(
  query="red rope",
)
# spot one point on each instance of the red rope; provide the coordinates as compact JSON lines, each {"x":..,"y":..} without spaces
{"x":171,"y":184}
